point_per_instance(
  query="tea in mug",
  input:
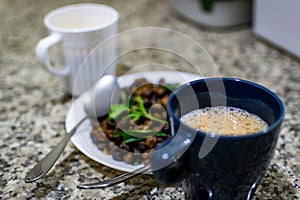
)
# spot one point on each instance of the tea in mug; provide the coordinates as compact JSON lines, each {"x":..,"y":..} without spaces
{"x":224,"y":120}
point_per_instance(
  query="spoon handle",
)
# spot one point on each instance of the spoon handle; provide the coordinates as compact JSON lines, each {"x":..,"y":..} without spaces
{"x":116,"y":180}
{"x":43,"y":166}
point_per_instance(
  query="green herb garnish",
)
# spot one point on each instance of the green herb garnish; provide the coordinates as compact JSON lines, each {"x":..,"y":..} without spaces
{"x":136,"y":111}
{"x":133,"y":108}
{"x":137,"y":139}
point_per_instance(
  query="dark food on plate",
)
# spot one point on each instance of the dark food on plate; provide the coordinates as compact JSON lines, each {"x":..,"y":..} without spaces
{"x":135,"y":126}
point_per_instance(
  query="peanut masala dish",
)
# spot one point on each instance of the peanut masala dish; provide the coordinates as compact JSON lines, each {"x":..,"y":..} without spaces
{"x":136,"y":125}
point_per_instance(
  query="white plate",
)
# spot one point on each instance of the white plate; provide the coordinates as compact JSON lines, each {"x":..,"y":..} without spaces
{"x":82,"y":139}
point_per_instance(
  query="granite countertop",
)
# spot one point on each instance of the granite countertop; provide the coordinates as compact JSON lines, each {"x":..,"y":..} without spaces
{"x":33,"y":106}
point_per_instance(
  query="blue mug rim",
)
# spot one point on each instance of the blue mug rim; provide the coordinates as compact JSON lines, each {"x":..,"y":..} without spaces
{"x":271,"y":127}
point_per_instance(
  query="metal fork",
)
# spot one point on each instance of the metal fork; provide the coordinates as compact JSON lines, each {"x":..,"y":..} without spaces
{"x":116,"y":180}
{"x":43,"y":166}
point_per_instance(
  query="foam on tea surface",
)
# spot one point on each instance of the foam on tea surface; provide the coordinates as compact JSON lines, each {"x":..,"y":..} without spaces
{"x":224,"y":120}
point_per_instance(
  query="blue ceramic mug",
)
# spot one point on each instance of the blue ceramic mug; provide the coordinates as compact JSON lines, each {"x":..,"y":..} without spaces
{"x":214,"y":166}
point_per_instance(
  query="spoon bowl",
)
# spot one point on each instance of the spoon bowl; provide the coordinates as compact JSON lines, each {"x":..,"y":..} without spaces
{"x":106,"y":91}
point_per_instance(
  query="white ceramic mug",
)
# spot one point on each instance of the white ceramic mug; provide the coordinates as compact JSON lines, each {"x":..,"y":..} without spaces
{"x":75,"y":30}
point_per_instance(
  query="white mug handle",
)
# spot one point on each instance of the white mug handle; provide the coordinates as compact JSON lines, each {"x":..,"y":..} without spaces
{"x":42,"y":51}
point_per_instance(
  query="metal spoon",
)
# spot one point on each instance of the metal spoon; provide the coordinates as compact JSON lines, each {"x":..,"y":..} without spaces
{"x":166,"y":157}
{"x":106,"y":90}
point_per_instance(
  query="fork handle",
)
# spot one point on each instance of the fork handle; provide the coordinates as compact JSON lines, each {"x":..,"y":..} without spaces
{"x":43,"y":166}
{"x":116,"y":180}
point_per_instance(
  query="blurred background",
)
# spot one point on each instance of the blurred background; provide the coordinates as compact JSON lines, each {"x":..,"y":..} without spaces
{"x":260,"y":44}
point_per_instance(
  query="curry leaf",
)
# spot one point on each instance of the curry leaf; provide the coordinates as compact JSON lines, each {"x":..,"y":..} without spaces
{"x":120,"y":133}
{"x":116,"y":110}
{"x":132,"y":139}
{"x":143,"y":113}
{"x":161,"y":134}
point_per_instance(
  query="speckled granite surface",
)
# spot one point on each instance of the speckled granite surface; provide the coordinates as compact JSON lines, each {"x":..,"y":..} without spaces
{"x":33,"y":107}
